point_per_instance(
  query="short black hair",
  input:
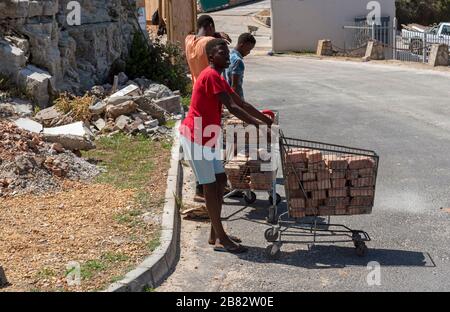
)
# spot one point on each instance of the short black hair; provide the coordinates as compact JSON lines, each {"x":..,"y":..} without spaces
{"x":204,"y":21}
{"x":246,"y":38}
{"x":213,"y":44}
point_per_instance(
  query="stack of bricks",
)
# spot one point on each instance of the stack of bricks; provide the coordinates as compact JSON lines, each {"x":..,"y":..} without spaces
{"x":244,"y":173}
{"x":332,"y":185}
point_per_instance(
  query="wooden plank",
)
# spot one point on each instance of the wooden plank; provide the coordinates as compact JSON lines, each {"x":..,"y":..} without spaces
{"x":184,"y":17}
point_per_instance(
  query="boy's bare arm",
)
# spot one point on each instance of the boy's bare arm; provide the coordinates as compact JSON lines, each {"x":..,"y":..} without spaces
{"x":238,"y":111}
{"x":251,"y":110}
{"x":234,"y":81}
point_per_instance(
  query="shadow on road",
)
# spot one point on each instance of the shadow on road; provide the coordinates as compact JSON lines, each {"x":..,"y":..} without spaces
{"x":332,"y":256}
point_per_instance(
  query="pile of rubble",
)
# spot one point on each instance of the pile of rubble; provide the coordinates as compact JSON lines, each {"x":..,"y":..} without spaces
{"x":139,"y":106}
{"x":29,"y":164}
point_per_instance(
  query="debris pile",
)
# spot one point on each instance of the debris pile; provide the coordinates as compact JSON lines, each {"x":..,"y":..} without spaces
{"x":29,"y":164}
{"x":139,"y":106}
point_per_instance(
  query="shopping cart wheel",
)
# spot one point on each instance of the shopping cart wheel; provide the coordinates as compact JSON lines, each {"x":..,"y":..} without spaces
{"x":273,"y":251}
{"x":278,"y":199}
{"x":271,"y":234}
{"x":361,"y":249}
{"x":250,"y":198}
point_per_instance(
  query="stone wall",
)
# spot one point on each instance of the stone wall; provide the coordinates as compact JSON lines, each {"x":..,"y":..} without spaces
{"x":72,"y":58}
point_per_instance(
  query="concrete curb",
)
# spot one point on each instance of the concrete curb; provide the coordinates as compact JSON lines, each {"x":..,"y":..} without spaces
{"x":155,"y":268}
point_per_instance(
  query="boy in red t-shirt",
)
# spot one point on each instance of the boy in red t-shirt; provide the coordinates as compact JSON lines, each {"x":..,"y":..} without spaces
{"x":199,"y":131}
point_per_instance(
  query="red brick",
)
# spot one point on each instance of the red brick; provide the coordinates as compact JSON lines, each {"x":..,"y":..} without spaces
{"x":295,"y":156}
{"x":324,"y":184}
{"x":314,"y":156}
{"x":366,"y":172}
{"x":312,"y":203}
{"x":340,"y":212}
{"x":297,"y":213}
{"x":362,"y":191}
{"x":361,"y":162}
{"x":296,"y":194}
{"x":338,"y":183}
{"x":297,"y":203}
{"x":326,"y":211}
{"x":338,"y":174}
{"x":362,"y":201}
{"x":309,"y":176}
{"x":336,"y":162}
{"x":363,"y":182}
{"x":352,"y":174}
{"x":292,"y":182}
{"x":312,"y":211}
{"x":338,"y":192}
{"x":320,"y":165}
{"x":310,"y":186}
{"x":319,"y":194}
{"x":359,"y":210}
{"x":323,"y":174}
{"x":338,"y":202}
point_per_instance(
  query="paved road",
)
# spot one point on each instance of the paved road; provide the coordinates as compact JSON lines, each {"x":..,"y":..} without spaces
{"x":403,"y":114}
{"x":235,"y":21}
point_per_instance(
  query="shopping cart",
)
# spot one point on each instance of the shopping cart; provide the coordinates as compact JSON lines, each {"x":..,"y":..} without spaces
{"x":248,"y":172}
{"x":323,"y":180}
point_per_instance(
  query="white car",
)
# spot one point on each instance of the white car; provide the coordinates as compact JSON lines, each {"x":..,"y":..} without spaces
{"x":414,"y":36}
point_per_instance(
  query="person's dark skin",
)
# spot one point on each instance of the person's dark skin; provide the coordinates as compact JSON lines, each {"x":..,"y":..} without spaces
{"x":219,"y":61}
{"x":210,"y":31}
{"x":244,"y":49}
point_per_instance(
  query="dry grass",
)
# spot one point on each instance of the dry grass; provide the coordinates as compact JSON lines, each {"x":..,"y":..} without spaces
{"x":78,"y":105}
{"x":101,"y":225}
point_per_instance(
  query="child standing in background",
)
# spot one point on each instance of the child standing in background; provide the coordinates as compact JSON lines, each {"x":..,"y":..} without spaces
{"x":235,"y":73}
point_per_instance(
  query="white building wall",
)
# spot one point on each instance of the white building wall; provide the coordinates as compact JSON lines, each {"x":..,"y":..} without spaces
{"x":297,"y":25}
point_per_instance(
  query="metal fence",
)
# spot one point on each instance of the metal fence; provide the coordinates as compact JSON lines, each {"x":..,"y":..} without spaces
{"x":357,"y":35}
{"x":415,"y":46}
{"x":402,"y":45}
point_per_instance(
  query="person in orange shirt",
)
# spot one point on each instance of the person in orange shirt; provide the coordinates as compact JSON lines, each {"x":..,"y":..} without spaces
{"x":195,"y":45}
{"x":197,"y":59}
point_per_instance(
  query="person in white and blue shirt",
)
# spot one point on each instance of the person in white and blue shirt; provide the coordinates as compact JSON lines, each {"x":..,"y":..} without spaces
{"x":234,"y":74}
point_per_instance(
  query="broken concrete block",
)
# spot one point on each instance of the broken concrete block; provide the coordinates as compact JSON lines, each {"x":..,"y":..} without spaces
{"x":152,"y":123}
{"x":114,"y":111}
{"x":375,"y":50}
{"x":129,"y":90}
{"x":12,"y":59}
{"x":98,"y":108}
{"x":100,"y":124}
{"x":121,"y":122}
{"x":172,"y":104}
{"x":37,"y":83}
{"x":439,"y":55}
{"x":29,"y":125}
{"x":118,"y":100}
{"x":324,"y":48}
{"x":76,"y":129}
{"x":150,"y":108}
{"x":47,"y":115}
{"x":70,"y":142}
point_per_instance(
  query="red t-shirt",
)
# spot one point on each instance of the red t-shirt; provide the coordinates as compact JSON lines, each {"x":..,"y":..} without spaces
{"x":205,"y":106}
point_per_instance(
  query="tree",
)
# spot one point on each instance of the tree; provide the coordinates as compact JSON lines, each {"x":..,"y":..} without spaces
{"x":425,"y":12}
